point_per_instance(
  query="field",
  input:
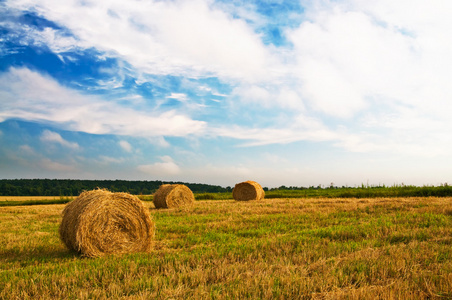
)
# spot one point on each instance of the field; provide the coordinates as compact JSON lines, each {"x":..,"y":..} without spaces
{"x":33,"y":200}
{"x":310,"y":248}
{"x":29,"y":198}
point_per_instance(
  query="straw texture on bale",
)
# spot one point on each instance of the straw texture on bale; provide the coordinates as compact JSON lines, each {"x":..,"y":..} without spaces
{"x":100,"y":222}
{"x":173,"y":195}
{"x":248,"y":190}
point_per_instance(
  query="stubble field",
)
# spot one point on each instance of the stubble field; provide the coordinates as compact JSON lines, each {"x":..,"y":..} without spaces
{"x":380,"y":248}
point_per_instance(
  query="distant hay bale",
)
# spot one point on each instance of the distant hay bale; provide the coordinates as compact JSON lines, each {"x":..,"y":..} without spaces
{"x":173,"y":195}
{"x":248,"y":190}
{"x":100,"y":222}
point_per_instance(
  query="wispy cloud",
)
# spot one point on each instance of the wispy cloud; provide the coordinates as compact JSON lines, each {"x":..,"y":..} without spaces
{"x":109,"y":160}
{"x":184,"y":37}
{"x":267,"y":136}
{"x":167,"y":166}
{"x":27,"y":150}
{"x":125,"y":146}
{"x":53,"y":137}
{"x":178,"y":96}
{"x":35,"y":162}
{"x":48,"y":164}
{"x":31,"y":96}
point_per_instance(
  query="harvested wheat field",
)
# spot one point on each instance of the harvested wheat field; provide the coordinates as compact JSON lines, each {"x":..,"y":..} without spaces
{"x":32,"y":198}
{"x":173,"y":196}
{"x":99,"y":222}
{"x":313,"y":248}
{"x":248,"y":190}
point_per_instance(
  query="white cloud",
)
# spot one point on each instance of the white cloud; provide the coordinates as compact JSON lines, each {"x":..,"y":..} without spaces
{"x":300,"y":128}
{"x":267,"y":136}
{"x":53,"y":137}
{"x":270,"y":96}
{"x":372,"y":75}
{"x":160,"y":37}
{"x":54,"y":39}
{"x":380,"y":68}
{"x":166,"y":167}
{"x":178,"y":96}
{"x":357,"y":53}
{"x":412,"y":17}
{"x":26,"y":149}
{"x":254,"y":94}
{"x":109,"y":160}
{"x":344,"y":57}
{"x":31,"y":96}
{"x":272,"y":158}
{"x":125,"y":146}
{"x":159,"y":141}
{"x":50,"y":165}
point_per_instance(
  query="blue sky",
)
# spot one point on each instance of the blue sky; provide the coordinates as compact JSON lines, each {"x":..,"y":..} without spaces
{"x":294,"y":93}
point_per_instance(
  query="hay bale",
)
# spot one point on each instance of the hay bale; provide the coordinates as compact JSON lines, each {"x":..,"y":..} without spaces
{"x":99,"y":222}
{"x":173,"y":195}
{"x":248,"y":190}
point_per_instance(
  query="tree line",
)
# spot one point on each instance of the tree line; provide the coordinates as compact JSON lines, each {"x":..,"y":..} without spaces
{"x":73,"y":187}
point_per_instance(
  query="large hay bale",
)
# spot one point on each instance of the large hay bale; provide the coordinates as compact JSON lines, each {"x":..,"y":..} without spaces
{"x":173,"y":195}
{"x":248,"y":190}
{"x":100,"y":222}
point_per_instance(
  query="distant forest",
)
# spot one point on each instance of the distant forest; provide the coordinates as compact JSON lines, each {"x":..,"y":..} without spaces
{"x":69,"y":187}
{"x":72,"y":187}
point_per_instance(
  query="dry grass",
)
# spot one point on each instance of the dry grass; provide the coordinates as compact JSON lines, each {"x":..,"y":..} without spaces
{"x":31,"y":198}
{"x":398,"y":248}
{"x":99,"y":222}
{"x":248,"y":190}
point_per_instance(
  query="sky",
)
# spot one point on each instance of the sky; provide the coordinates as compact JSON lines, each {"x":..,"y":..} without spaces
{"x":294,"y":93}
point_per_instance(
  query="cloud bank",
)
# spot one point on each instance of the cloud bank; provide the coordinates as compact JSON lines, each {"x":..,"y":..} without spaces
{"x":351,"y":76}
{"x":378,"y":65}
{"x":53,"y":137}
{"x":28,"y":95}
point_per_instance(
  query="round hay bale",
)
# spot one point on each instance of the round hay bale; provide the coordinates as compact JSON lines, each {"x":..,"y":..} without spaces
{"x":173,"y":195}
{"x":100,"y":222}
{"x":248,"y":190}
